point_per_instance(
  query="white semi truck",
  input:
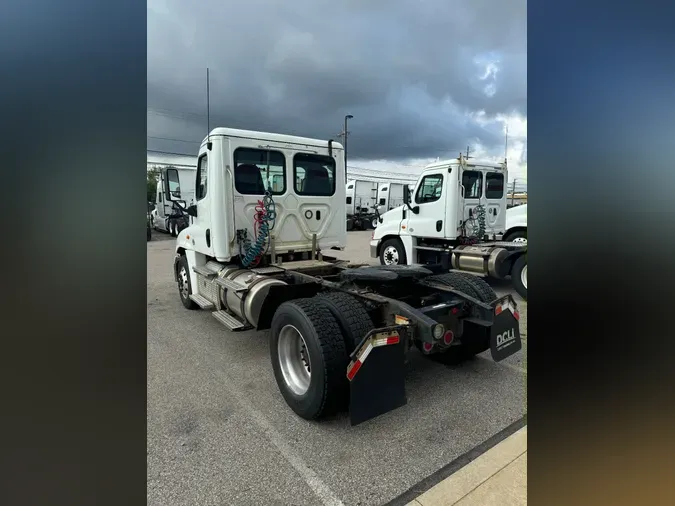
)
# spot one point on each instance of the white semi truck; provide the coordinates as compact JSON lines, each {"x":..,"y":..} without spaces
{"x":175,"y":191}
{"x":456,"y":217}
{"x":256,"y":256}
{"x":389,"y":196}
{"x":361,"y":202}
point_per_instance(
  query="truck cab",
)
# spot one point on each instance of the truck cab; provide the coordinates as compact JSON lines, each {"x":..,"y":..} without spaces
{"x":241,"y":173}
{"x":175,"y":187}
{"x":453,"y":202}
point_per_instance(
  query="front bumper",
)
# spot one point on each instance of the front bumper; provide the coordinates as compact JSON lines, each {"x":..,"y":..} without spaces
{"x":373,"y":248}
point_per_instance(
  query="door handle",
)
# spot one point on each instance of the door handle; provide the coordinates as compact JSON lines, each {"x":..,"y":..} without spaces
{"x":439,"y":225}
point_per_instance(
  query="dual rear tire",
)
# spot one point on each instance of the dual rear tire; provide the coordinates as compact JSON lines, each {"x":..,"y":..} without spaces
{"x":310,"y":343}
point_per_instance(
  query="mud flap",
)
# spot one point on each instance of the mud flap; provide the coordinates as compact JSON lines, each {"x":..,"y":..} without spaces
{"x":376,"y":375}
{"x":505,"y":330}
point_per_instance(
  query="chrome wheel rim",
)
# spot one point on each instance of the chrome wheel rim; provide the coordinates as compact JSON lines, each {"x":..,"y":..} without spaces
{"x":523,"y":277}
{"x":390,"y":256}
{"x":183,"y":286}
{"x":294,"y":361}
{"x":374,"y":222}
{"x":521,"y":240}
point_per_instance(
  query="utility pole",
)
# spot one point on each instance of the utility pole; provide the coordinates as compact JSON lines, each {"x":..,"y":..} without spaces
{"x":468,"y":150}
{"x":344,"y":135}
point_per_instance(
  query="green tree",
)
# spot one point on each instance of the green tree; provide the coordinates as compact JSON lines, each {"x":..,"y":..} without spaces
{"x":153,"y":176}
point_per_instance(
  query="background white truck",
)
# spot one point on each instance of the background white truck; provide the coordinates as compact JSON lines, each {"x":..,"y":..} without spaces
{"x":455,"y":217}
{"x":516,"y":224}
{"x":255,"y":256}
{"x":361,"y":200}
{"x":179,"y":184}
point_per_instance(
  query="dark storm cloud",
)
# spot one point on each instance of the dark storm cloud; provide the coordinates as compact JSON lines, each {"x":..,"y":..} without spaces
{"x":409,"y":71}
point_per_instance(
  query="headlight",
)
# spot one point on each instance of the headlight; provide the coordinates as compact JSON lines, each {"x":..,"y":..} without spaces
{"x":438,"y":331}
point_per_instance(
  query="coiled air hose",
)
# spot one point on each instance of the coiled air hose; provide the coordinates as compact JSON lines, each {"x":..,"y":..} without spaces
{"x":263,"y":222}
{"x":479,"y":216}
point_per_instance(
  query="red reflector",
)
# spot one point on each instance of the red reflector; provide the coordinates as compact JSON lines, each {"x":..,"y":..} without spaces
{"x":516,"y":315}
{"x":498,"y":309}
{"x":393,"y":340}
{"x":428,"y":346}
{"x":448,"y":337}
{"x":454,"y":310}
{"x":355,"y":368}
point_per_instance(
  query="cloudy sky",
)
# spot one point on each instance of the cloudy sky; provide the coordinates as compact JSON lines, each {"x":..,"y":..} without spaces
{"x":423,"y":78}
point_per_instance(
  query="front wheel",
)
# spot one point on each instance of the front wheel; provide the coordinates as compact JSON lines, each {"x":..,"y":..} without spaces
{"x":393,"y":252}
{"x":184,"y":284}
{"x":519,"y":276}
{"x":309,"y":358}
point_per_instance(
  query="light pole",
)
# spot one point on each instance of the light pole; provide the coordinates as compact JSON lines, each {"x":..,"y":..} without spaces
{"x":347,"y":117}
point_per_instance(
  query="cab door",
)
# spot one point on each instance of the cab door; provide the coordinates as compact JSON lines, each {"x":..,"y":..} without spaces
{"x":430,"y":199}
{"x":495,"y":202}
{"x":471,"y":190}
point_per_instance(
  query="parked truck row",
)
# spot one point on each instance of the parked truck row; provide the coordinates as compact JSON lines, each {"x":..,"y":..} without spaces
{"x":257,"y":256}
{"x":366,"y":200}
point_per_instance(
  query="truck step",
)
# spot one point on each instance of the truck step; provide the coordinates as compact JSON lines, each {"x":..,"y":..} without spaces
{"x":228,"y":320}
{"x":431,"y":248}
{"x":268,"y":270}
{"x":230,"y":285}
{"x":199,"y":269}
{"x":201,"y":301}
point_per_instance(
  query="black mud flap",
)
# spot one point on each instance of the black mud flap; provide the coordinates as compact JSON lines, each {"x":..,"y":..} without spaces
{"x":505,"y":331}
{"x":376,"y":375}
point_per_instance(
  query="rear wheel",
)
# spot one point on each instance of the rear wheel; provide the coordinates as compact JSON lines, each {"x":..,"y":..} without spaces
{"x":351,"y":315}
{"x":309,"y":358}
{"x":392,"y":252}
{"x":485,"y":292}
{"x":519,"y":276}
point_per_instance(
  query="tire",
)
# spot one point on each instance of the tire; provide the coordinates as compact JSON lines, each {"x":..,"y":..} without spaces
{"x":172,"y":229}
{"x":350,"y":225}
{"x":392,"y":252}
{"x":485,"y":292}
{"x":351,"y":315}
{"x":373,"y":223}
{"x":324,"y":389}
{"x":519,"y":276}
{"x":185,"y":285}
{"x":457,"y":282}
{"x":517,"y":236}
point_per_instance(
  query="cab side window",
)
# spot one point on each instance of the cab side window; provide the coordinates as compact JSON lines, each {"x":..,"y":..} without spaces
{"x":430,"y":189}
{"x":202,"y":177}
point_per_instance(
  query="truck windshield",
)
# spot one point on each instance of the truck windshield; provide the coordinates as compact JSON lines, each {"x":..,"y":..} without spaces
{"x":314,"y":174}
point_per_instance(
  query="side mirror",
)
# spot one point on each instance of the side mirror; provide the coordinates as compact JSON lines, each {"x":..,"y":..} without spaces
{"x":171,"y":181}
{"x":406,"y":195}
{"x":192,"y":210}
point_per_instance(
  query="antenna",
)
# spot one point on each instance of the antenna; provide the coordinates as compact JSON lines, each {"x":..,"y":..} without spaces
{"x":506,"y":143}
{"x":209,"y":145}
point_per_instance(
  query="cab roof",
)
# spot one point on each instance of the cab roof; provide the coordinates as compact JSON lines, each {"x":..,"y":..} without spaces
{"x":470,"y":162}
{"x":273,"y":137}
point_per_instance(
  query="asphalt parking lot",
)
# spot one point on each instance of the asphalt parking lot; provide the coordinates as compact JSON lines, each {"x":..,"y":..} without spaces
{"x":220,"y":433}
